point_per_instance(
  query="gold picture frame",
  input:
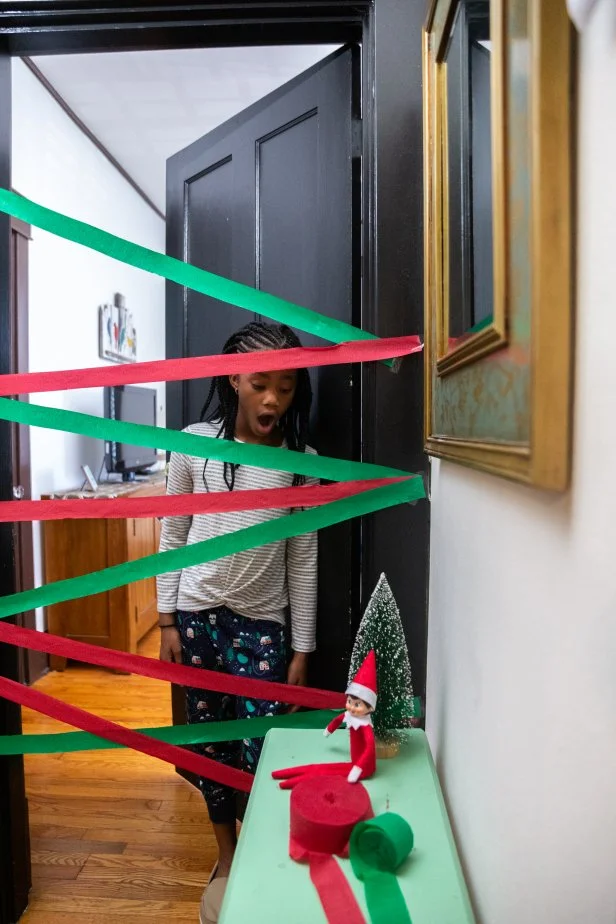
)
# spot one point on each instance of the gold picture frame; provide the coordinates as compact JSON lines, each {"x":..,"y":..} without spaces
{"x":499,"y":399}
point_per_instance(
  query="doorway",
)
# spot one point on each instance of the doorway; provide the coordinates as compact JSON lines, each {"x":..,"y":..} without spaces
{"x":272,"y":199}
{"x":391,"y":281}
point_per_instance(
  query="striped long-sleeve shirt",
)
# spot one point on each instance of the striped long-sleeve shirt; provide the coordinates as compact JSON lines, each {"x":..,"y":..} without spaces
{"x":261,"y":583}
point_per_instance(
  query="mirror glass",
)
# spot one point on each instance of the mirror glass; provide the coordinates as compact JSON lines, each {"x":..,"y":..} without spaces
{"x":469,"y":170}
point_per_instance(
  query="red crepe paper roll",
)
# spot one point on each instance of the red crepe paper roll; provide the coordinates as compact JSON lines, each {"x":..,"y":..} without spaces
{"x":324,"y":811}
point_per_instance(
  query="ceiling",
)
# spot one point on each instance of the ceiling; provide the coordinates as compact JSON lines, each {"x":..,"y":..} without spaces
{"x":146,"y":105}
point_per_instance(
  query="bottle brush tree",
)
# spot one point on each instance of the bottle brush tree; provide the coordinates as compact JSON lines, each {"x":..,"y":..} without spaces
{"x":381,"y":629}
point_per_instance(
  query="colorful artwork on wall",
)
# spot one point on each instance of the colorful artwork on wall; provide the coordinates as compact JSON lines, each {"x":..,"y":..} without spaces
{"x":117,"y":336}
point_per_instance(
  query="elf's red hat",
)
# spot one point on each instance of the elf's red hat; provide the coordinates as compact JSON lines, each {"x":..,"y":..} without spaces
{"x":364,"y":683}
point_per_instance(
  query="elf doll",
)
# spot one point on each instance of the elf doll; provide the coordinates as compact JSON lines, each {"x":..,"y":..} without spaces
{"x":360,"y":703}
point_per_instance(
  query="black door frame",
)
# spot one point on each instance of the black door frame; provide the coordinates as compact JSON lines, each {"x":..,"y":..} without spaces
{"x":392,"y":259}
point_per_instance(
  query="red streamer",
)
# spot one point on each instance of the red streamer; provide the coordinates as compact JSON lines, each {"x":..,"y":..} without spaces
{"x":339,"y":903}
{"x":201,"y":367}
{"x":324,"y":812}
{"x":335,"y":893}
{"x":170,"y":753}
{"x":178,"y":505}
{"x":198,"y":677}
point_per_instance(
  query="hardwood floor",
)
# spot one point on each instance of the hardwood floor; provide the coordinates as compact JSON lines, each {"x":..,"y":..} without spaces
{"x":115,"y":835}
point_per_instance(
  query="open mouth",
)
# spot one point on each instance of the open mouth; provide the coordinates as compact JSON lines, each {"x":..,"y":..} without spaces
{"x":266,"y":422}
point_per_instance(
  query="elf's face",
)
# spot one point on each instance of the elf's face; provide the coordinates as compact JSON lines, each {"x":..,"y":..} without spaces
{"x":357,"y":707}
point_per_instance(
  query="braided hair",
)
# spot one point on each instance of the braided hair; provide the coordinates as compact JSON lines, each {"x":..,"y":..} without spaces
{"x":294,"y":423}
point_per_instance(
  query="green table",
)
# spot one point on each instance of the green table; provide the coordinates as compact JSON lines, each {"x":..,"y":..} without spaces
{"x":267,"y":887}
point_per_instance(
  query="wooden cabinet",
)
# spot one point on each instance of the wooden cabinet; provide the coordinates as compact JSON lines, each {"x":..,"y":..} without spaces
{"x":119,"y":618}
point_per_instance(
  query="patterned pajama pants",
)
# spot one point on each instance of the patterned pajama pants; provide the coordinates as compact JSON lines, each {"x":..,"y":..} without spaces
{"x":222,"y":640}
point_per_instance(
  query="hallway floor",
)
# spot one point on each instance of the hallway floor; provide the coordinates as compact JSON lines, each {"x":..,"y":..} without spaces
{"x":115,"y":835}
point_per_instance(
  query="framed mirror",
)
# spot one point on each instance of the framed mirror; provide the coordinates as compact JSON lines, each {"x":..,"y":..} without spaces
{"x":497,"y":117}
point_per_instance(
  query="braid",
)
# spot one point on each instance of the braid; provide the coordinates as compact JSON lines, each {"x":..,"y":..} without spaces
{"x":294,"y":424}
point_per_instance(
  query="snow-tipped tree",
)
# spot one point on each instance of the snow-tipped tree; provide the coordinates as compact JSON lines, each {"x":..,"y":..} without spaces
{"x":381,"y":630}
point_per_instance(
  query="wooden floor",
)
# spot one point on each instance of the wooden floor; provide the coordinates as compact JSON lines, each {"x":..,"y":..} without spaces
{"x":115,"y":835}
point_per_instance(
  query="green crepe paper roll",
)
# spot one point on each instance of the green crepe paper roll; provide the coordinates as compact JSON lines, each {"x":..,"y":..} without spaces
{"x":377,"y":848}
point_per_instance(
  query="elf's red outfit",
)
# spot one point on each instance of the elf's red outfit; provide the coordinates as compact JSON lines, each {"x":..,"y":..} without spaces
{"x":362,"y":742}
{"x":363,"y":751}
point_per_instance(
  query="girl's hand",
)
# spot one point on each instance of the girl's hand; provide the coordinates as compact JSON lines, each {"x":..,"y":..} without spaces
{"x":297,"y":674}
{"x":170,"y":645}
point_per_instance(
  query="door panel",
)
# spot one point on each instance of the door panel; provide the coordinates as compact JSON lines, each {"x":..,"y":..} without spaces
{"x":288,"y":249}
{"x":309,"y":261}
{"x":268,"y":199}
{"x":209,"y":240}
{"x":142,"y":593}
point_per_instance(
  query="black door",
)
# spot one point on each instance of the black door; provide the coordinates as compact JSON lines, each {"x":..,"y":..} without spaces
{"x":272,"y":199}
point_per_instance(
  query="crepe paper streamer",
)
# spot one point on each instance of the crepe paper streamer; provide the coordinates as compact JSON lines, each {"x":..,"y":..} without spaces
{"x":191,"y":444}
{"x":324,"y":812}
{"x":336,"y":896}
{"x":201,"y":367}
{"x":232,"y":730}
{"x":91,"y":507}
{"x":378,"y":848}
{"x":213,"y":549}
{"x":187,"y":760}
{"x":224,"y":290}
{"x":197,"y":677}
{"x":202,"y":733}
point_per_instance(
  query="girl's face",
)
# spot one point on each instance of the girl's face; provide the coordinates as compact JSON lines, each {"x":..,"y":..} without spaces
{"x":263,"y":398}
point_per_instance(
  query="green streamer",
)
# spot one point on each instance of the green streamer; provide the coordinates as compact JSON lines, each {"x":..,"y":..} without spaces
{"x":202,"y":733}
{"x":377,"y":849}
{"x":224,"y":290}
{"x":208,"y":550}
{"x":191,"y":444}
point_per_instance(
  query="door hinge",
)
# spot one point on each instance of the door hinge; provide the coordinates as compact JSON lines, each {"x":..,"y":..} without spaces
{"x":357,"y":138}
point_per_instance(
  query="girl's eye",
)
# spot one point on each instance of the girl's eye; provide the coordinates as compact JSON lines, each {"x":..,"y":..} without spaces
{"x":258,"y":387}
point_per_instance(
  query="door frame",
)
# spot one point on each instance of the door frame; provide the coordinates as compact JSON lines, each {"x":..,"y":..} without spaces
{"x":392,"y":264}
{"x":33,"y":664}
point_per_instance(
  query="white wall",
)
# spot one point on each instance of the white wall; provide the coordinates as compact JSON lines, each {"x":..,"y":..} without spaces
{"x":521,"y":700}
{"x":56,"y":165}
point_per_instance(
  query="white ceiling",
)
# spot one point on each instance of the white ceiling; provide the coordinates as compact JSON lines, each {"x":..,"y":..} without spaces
{"x":146,"y":105}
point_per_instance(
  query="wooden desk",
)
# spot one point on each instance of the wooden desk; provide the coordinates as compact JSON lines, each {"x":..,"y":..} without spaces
{"x":266,"y":885}
{"x":118,"y":618}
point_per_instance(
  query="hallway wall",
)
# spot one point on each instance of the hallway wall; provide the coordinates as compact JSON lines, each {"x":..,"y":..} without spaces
{"x":521,"y":699}
{"x":56,"y":165}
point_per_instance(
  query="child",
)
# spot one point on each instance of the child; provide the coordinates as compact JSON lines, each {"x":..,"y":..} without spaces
{"x":230,"y":614}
